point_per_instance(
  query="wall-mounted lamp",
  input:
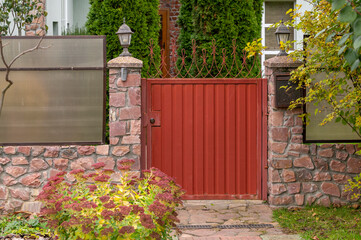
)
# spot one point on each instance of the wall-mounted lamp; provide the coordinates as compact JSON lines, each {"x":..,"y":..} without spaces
{"x":125,"y":35}
{"x":123,"y":74}
{"x":282,"y":35}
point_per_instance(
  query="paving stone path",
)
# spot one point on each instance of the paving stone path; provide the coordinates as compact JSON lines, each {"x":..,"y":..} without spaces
{"x":229,"y":212}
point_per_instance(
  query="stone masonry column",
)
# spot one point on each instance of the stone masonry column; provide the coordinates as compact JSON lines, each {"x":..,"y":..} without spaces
{"x":284,"y":127}
{"x":125,"y":109}
{"x":302,"y":174}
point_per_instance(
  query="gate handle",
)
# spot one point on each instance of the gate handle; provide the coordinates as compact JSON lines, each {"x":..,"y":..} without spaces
{"x":152,"y":120}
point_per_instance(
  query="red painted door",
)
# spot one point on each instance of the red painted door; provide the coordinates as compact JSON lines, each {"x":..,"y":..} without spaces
{"x":207,"y":134}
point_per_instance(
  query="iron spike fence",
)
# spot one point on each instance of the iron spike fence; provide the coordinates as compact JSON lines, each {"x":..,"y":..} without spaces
{"x":203,"y":64}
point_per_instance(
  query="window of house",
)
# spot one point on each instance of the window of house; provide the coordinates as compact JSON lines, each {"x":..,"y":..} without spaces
{"x":274,"y":11}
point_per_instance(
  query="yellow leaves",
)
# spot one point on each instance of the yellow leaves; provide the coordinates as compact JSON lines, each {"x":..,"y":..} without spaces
{"x":358,"y":121}
{"x":254,"y":48}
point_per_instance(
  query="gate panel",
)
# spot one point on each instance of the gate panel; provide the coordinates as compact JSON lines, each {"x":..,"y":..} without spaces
{"x":207,"y":134}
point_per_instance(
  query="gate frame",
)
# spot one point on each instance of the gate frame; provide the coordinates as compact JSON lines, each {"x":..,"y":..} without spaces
{"x":145,"y":161}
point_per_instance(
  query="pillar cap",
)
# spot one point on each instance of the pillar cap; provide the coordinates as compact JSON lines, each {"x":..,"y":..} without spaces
{"x":282,"y":62}
{"x":125,"y":62}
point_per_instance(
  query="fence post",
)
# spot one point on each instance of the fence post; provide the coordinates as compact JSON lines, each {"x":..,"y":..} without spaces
{"x":284,"y":128}
{"x":125,"y":109}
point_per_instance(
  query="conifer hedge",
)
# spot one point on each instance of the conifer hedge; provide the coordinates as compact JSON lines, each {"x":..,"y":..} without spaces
{"x":106,"y":16}
{"x":222,"y":20}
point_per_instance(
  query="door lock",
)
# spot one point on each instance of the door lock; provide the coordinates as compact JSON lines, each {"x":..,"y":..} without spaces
{"x":152,"y":120}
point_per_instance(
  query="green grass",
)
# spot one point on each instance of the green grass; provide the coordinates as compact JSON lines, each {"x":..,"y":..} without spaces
{"x":321,"y":222}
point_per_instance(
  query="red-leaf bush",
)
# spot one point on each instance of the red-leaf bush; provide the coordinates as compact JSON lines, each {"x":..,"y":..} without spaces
{"x":95,"y":207}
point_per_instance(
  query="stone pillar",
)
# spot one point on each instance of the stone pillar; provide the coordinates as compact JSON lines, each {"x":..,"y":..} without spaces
{"x":301,"y":174}
{"x":283,"y":126}
{"x":37,"y":26}
{"x":125,"y":109}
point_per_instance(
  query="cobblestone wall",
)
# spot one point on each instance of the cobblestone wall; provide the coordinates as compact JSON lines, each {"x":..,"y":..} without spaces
{"x":301,"y":174}
{"x":24,"y":169}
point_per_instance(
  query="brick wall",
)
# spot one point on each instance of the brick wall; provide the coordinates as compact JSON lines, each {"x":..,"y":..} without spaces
{"x":174,"y":29}
{"x":24,"y":169}
{"x":301,"y":174}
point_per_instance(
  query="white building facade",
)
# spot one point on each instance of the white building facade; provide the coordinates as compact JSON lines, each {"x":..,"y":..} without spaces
{"x":66,"y":15}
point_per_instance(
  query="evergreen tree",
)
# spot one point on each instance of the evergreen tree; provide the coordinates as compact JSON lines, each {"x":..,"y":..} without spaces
{"x":106,"y":16}
{"x":223,"y":21}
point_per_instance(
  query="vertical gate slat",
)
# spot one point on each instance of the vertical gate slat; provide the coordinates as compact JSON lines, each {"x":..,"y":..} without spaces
{"x":219,"y":138}
{"x":198,"y":139}
{"x":177,"y":130}
{"x":242,"y":131}
{"x":188,"y":154}
{"x":230,"y":138}
{"x":156,"y":97}
{"x":252,"y":138}
{"x":209,"y":139}
{"x":156,"y":132}
{"x":166,"y":125}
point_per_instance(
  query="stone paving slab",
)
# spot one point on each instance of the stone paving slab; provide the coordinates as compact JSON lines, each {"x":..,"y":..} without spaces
{"x":229,"y":212}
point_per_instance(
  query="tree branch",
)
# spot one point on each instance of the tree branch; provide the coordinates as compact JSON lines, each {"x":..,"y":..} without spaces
{"x":347,"y":122}
{"x":8,"y":66}
{"x":28,"y":51}
{"x":354,"y":7}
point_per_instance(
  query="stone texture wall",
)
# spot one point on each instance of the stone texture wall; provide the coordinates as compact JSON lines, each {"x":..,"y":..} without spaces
{"x":36,"y":28}
{"x":301,"y":174}
{"x":25,"y":169}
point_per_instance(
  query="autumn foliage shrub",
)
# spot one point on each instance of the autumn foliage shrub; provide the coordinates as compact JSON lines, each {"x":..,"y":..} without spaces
{"x":354,"y":186}
{"x":95,"y":207}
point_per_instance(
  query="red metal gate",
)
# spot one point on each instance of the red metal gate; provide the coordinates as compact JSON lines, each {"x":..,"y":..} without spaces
{"x":209,"y":134}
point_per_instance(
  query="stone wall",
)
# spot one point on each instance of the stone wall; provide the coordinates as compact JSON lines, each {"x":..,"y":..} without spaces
{"x":25,"y":169}
{"x":301,"y":174}
{"x":36,"y":28}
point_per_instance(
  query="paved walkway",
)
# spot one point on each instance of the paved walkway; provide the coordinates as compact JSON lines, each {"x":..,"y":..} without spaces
{"x":229,"y":212}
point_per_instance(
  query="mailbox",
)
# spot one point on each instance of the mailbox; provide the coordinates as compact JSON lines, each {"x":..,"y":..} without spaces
{"x":283,"y":95}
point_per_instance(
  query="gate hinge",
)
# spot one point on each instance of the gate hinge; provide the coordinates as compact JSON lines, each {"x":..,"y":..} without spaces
{"x":266,"y":167}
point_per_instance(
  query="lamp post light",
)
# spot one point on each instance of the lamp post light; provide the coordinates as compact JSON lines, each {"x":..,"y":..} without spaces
{"x":125,"y":34}
{"x":282,"y":35}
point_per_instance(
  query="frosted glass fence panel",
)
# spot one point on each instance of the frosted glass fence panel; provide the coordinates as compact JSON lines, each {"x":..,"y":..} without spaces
{"x":60,"y":52}
{"x":48,"y":104}
{"x":330,"y":132}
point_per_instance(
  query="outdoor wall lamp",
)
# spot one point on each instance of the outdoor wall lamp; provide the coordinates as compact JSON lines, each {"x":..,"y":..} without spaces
{"x":123,"y":74}
{"x":125,"y":34}
{"x":282,"y":35}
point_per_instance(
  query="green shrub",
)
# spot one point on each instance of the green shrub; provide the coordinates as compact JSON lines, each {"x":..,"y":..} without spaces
{"x":222,"y":21}
{"x":22,"y":225}
{"x":106,"y":16}
{"x":94,"y":207}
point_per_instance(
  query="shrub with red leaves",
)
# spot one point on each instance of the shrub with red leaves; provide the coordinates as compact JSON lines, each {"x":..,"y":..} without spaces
{"x":95,"y":207}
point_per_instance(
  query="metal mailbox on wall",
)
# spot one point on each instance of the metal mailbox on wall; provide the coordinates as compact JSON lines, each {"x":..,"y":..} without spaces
{"x":58,"y":95}
{"x":284,"y":94}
